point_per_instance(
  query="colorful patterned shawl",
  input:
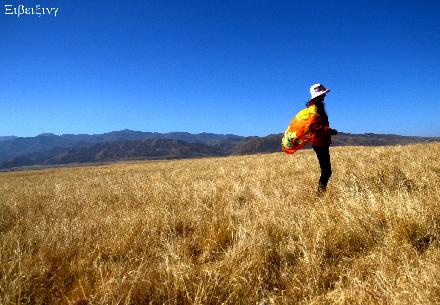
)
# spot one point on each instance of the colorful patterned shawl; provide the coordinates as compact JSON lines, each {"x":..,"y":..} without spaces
{"x":298,"y":132}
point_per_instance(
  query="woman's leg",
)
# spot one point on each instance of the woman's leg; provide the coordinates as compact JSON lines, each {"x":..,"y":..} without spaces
{"x":323,"y":154}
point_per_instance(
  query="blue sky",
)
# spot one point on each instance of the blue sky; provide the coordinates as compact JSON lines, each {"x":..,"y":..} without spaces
{"x":242,"y":67}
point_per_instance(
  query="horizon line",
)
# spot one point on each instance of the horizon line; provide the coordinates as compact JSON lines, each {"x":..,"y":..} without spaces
{"x":204,"y":132}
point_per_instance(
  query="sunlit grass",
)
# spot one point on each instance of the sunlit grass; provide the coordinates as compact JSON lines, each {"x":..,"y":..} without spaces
{"x":233,"y":230}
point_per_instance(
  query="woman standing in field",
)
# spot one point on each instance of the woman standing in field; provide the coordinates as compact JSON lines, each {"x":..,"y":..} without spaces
{"x":311,"y":125}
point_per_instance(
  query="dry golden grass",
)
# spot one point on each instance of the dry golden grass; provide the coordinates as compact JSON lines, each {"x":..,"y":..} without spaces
{"x":235,"y":230}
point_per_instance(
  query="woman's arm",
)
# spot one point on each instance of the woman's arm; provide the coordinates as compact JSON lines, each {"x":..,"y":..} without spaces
{"x":318,"y":127}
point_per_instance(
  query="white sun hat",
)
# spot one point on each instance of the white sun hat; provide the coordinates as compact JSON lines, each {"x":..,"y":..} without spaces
{"x":317,"y":90}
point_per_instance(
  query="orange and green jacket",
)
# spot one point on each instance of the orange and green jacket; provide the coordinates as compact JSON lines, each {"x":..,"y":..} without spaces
{"x":307,"y":126}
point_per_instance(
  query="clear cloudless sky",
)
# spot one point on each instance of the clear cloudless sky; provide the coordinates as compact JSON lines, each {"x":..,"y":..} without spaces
{"x":241,"y":67}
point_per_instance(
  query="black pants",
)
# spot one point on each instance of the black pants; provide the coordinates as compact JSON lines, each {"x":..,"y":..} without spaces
{"x":323,"y":154}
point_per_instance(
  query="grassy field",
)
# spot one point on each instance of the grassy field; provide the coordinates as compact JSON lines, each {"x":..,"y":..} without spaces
{"x":233,"y":230}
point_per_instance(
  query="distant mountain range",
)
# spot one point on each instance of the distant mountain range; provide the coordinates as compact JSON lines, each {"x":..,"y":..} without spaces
{"x":50,"y":149}
{"x":7,"y":138}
